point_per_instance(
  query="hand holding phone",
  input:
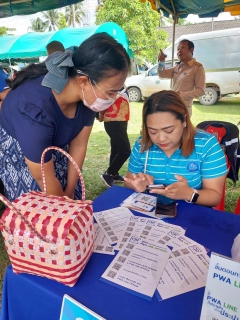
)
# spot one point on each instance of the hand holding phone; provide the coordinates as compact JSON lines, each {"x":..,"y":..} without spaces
{"x":155,"y":186}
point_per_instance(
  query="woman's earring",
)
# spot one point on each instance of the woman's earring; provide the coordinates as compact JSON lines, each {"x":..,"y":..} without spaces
{"x":184,"y":126}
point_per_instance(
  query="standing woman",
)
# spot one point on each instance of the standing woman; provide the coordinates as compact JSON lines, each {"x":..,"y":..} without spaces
{"x":54,"y":104}
{"x":171,"y":151}
{"x":115,"y":123}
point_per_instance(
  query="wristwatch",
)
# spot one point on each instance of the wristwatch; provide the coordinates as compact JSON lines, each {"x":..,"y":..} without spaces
{"x":194,"y":196}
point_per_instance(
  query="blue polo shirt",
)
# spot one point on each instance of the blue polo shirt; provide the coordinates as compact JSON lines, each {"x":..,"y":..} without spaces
{"x":207,"y":161}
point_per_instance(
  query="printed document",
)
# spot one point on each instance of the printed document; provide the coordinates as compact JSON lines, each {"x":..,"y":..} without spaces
{"x":101,"y":244}
{"x":112,"y":222}
{"x":141,"y":202}
{"x":184,"y":272}
{"x":137,"y":267}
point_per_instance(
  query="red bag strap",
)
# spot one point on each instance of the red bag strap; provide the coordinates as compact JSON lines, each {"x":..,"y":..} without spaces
{"x":73,"y":163}
{"x":21,"y":216}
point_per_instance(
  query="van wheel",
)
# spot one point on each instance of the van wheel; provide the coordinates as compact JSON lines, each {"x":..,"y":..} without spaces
{"x":210,"y":97}
{"x":134,"y":94}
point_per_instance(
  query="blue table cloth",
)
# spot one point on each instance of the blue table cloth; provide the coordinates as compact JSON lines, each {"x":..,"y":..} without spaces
{"x":28,"y":297}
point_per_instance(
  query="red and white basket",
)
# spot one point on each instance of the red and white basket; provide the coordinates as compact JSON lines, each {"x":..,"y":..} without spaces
{"x":49,"y":236}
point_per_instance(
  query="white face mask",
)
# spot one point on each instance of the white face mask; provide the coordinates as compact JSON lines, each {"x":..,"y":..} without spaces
{"x":99,"y":104}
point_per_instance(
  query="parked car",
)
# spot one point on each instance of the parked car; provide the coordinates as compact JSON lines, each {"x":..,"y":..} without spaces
{"x":218,"y":84}
{"x":143,"y":85}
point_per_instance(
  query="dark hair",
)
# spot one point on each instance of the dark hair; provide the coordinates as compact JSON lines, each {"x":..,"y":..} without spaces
{"x":168,"y":101}
{"x":100,"y":57}
{"x":190,"y":43}
{"x":55,"y":46}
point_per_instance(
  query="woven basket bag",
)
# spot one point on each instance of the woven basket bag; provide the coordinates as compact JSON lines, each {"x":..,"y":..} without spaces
{"x":47,"y":235}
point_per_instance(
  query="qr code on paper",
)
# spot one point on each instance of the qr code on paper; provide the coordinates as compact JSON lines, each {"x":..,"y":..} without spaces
{"x":130,"y":246}
{"x":99,"y":248}
{"x":148,"y":228}
{"x":121,"y":259}
{"x":176,"y":253}
{"x":126,"y":252}
{"x":185,"y":251}
{"x":166,"y":238}
{"x":111,"y":274}
{"x":117,"y":266}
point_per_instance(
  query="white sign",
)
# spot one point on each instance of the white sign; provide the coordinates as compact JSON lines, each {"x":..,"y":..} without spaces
{"x":222,"y":293}
{"x":73,"y":310}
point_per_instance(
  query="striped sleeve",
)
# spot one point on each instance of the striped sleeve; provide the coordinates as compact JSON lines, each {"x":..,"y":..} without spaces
{"x":213,"y":159}
{"x":136,"y":163}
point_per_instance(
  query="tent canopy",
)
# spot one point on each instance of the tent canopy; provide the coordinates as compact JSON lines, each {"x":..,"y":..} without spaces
{"x":22,"y":7}
{"x":33,"y":44}
{"x":203,"y":8}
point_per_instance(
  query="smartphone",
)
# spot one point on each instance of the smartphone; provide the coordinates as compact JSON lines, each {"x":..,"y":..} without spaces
{"x":156,"y":186}
{"x":166,"y":210}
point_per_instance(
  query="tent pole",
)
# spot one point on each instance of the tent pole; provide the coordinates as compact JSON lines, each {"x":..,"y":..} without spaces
{"x":73,"y":15}
{"x":10,"y":68}
{"x":173,"y":40}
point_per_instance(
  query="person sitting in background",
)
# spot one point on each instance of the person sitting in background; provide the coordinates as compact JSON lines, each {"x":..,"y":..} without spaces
{"x":115,"y":122}
{"x":54,"y":104}
{"x":173,"y":152}
{"x":54,"y":46}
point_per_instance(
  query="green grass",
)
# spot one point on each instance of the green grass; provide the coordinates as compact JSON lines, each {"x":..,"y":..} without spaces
{"x":97,"y":157}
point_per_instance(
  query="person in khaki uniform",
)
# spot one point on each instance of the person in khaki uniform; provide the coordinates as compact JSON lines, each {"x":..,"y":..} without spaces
{"x":188,"y":76}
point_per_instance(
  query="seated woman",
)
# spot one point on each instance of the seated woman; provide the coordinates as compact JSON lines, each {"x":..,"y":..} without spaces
{"x":54,"y":104}
{"x":171,"y":151}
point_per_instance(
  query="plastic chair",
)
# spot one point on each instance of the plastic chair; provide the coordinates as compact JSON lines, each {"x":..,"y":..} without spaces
{"x":220,"y":132}
{"x":237,"y":209}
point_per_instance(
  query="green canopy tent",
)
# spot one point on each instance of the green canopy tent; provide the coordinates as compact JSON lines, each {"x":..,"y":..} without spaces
{"x":22,"y":7}
{"x":33,"y":44}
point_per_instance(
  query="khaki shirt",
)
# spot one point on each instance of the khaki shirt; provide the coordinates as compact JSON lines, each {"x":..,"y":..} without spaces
{"x":188,"y":78}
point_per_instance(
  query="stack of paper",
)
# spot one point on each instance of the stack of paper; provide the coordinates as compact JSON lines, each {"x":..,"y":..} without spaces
{"x":153,"y":255}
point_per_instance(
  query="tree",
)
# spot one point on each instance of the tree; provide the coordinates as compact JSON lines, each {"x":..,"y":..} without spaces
{"x":4,"y":31}
{"x":79,"y":13}
{"x":38,"y":25}
{"x":52,"y":17}
{"x":139,"y":22}
{"x":62,"y":23}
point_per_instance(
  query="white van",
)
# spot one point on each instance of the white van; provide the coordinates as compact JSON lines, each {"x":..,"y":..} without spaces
{"x":219,"y":53}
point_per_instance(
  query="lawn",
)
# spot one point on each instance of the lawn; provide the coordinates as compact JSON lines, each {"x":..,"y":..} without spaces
{"x":98,"y":152}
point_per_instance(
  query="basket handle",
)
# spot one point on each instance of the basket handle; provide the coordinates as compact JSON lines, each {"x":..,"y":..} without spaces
{"x":73,"y":163}
{"x":21,"y":216}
